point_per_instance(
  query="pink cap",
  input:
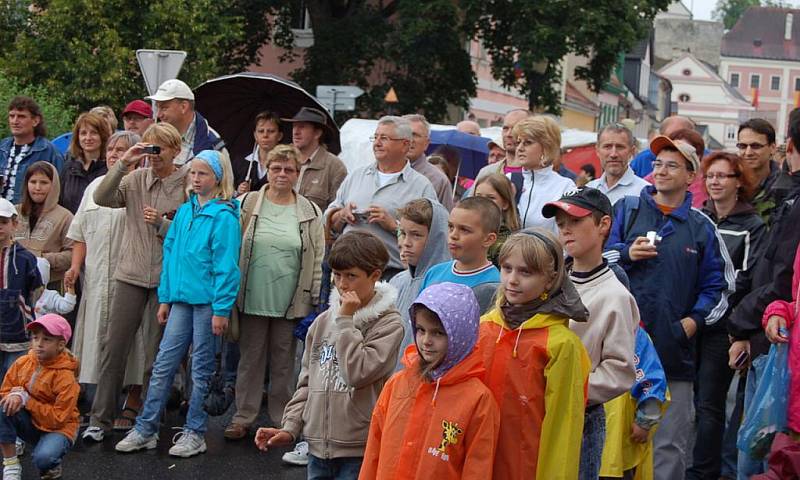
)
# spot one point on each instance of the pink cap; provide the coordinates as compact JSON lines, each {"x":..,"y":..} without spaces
{"x":53,"y":324}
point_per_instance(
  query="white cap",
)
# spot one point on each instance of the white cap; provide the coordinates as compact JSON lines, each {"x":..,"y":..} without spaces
{"x":497,"y":142}
{"x":7,"y":210}
{"x":172,"y":89}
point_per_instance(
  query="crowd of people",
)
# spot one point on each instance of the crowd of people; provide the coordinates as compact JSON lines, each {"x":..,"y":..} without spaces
{"x":514,"y":326}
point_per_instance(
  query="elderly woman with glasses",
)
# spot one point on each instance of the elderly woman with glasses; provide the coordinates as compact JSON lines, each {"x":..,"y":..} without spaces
{"x":280,"y":261}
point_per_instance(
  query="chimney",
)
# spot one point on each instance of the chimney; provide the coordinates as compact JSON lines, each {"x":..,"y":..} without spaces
{"x":787,"y":34}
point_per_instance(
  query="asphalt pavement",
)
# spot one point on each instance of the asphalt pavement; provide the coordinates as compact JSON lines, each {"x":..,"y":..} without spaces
{"x":223,"y":460}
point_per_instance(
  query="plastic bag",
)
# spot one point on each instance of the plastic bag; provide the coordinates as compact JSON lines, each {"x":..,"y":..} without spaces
{"x":766,"y":416}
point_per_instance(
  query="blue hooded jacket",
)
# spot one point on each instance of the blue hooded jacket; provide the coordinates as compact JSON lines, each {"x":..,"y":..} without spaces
{"x":692,"y":275}
{"x":20,"y":278}
{"x":201,"y":256}
{"x":42,"y":150}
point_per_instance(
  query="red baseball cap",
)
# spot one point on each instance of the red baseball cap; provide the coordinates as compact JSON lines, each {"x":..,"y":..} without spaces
{"x":569,"y":208}
{"x":53,"y":324}
{"x":139,"y":107}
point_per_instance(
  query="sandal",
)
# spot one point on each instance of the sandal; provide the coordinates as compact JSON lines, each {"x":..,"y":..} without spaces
{"x":126,"y":420}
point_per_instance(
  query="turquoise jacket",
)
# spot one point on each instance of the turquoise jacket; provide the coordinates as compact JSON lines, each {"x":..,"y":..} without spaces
{"x":201,"y":256}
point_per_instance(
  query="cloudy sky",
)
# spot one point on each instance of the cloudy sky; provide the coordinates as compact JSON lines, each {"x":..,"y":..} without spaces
{"x":702,"y":8}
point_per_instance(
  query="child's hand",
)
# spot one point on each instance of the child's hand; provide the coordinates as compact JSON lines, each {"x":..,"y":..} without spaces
{"x":163,"y":313}
{"x":70,"y":277}
{"x":776,"y":326}
{"x":69,"y":288}
{"x":639,"y":434}
{"x":11,"y":405}
{"x":349,"y":303}
{"x":267,"y":438}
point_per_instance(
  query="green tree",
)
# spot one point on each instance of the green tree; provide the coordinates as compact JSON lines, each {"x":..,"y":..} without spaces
{"x":415,"y":46}
{"x":526,"y":40}
{"x":57,"y":112}
{"x":86,"y":48}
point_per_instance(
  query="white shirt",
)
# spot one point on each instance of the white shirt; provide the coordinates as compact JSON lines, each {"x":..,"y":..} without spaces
{"x":385,"y":178}
{"x":539,"y":187}
{"x":628,"y":185}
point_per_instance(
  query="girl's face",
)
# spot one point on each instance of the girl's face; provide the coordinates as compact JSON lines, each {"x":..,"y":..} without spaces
{"x":39,"y":187}
{"x":115,"y":151}
{"x":46,"y":347}
{"x":431,"y":337}
{"x":89,"y":139}
{"x":721,"y":183}
{"x":529,"y":153}
{"x":203,"y":179}
{"x":485,"y":190}
{"x":522,"y":285}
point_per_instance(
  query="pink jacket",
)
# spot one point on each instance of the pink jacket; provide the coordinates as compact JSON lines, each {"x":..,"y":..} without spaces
{"x":789,"y":311}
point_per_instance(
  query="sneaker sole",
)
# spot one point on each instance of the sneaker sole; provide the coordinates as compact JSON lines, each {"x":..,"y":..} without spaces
{"x":147,"y":446}
{"x":189,"y":454}
{"x":299,"y":463}
{"x":93,"y":438}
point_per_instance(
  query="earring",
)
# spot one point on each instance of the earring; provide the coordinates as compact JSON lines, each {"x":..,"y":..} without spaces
{"x":544,"y":296}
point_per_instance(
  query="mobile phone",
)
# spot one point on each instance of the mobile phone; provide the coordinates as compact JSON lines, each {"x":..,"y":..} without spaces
{"x":361,"y":215}
{"x":741,"y":359}
{"x":151,"y":150}
{"x":653,"y":238}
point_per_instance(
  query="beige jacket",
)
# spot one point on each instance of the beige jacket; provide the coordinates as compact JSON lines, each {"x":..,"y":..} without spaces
{"x":48,"y":238}
{"x":321,"y":177}
{"x":140,"y":258}
{"x":346,"y":362}
{"x":312,"y":239}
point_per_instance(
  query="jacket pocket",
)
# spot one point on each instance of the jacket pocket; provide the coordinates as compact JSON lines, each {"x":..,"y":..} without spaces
{"x":349,"y":424}
{"x":314,"y":415}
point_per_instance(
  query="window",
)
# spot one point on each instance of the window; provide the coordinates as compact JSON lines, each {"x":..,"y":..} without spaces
{"x":687,"y":72}
{"x":735,"y":80}
{"x":684,"y":97}
{"x":775,"y":83}
{"x":730,"y":132}
{"x":797,"y":84}
{"x":755,"y":80}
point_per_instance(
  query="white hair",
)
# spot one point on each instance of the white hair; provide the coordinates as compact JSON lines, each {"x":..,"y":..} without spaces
{"x":415,"y":117}
{"x":402,"y":127}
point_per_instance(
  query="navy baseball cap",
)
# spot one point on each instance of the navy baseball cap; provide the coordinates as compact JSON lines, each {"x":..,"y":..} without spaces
{"x":579,"y":202}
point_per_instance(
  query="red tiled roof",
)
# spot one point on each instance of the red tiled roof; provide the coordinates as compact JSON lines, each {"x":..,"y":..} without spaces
{"x":759,"y":33}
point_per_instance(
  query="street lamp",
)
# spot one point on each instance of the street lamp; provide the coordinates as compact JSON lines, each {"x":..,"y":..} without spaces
{"x":538,"y":69}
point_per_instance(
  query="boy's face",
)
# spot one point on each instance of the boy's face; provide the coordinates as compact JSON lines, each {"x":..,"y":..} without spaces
{"x":356,"y":280}
{"x":7,"y":228}
{"x":45,"y":346}
{"x":581,"y":235}
{"x":411,"y":239}
{"x":431,"y":337}
{"x":466,"y":239}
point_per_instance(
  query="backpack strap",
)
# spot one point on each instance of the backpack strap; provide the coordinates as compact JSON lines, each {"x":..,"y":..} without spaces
{"x":631,"y":212}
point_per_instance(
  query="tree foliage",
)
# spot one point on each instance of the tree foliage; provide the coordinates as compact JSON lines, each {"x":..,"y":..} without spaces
{"x":86,"y":48}
{"x":57,"y":112}
{"x":729,"y":11}
{"x":521,"y":35}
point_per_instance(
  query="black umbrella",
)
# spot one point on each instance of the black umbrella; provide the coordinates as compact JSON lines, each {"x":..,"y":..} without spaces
{"x":231,"y":103}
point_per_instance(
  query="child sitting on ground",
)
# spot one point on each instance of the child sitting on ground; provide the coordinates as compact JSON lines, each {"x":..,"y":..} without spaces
{"x":537,"y":368}
{"x":51,"y":301}
{"x":435,"y":418}
{"x":350,"y":353}
{"x":40,"y":400}
{"x":422,"y":238}
{"x":472,"y":230}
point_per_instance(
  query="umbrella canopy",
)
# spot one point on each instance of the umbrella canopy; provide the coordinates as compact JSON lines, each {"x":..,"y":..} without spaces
{"x":231,"y":103}
{"x":474,"y":150}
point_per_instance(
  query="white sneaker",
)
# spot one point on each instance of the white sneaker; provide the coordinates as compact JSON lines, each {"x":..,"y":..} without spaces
{"x":134,"y":441}
{"x":187,"y":444}
{"x":19,"y":445}
{"x":13,"y":471}
{"x":298,"y":456}
{"x":95,"y":434}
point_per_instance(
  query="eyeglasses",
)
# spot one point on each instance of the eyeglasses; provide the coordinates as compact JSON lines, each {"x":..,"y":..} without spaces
{"x":276,"y":169}
{"x":753,"y":146}
{"x":671,"y":166}
{"x":384,"y":139}
{"x":720,"y":176}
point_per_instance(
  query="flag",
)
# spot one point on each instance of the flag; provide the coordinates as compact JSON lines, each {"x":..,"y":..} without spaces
{"x":755,"y":97}
{"x":797,"y":99}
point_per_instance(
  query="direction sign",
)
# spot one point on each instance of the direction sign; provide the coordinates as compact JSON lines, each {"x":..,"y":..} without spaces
{"x":158,"y":66}
{"x":338,"y":97}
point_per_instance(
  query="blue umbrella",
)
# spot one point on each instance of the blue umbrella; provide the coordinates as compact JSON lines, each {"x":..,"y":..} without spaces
{"x":474,"y":150}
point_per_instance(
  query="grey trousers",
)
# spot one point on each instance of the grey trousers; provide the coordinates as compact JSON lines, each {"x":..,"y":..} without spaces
{"x":264,"y":341}
{"x":130,"y":306}
{"x":670,"y":443}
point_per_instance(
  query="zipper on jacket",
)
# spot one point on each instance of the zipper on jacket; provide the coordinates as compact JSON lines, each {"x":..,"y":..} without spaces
{"x":530,"y":194}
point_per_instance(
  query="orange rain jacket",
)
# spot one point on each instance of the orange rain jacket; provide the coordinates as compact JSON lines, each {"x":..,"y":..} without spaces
{"x":441,"y":430}
{"x":539,"y":376}
{"x":53,"y":389}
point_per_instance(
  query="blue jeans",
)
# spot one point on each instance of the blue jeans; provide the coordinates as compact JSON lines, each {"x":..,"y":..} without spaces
{"x":746,"y":466}
{"x":344,"y":468}
{"x":7,"y":359}
{"x":594,"y":437}
{"x":187,"y":325}
{"x":50,"y":446}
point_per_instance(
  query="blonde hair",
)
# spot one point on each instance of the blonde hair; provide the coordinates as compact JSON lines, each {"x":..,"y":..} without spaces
{"x":541,"y":252}
{"x":543,"y":130}
{"x":502,"y":185}
{"x":108,"y":113}
{"x":164,"y":135}
{"x":224,"y":189}
{"x":282,"y":153}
